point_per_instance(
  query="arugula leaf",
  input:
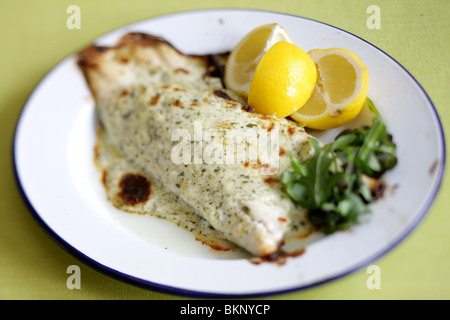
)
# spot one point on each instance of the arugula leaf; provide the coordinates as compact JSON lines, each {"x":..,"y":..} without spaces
{"x":331,"y":184}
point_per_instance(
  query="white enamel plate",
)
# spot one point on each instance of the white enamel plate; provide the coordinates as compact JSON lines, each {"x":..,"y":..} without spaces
{"x":53,"y":156}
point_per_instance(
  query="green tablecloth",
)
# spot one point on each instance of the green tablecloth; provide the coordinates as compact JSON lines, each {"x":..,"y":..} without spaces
{"x":35,"y":38}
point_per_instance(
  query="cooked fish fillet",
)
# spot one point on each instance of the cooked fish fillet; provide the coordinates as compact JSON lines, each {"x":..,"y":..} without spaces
{"x":152,"y":101}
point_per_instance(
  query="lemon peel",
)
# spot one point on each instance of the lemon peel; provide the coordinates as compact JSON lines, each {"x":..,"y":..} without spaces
{"x":283,"y":81}
{"x":246,"y":55}
{"x":340,"y":91}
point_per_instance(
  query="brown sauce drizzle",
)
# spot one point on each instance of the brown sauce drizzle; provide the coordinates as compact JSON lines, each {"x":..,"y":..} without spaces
{"x":222,"y":95}
{"x":379,"y":189}
{"x":215,"y":65}
{"x":247,"y":108}
{"x":279,"y":257}
{"x":135,"y":189}
{"x":433,"y":167}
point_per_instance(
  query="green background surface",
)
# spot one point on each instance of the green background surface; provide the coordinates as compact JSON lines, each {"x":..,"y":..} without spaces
{"x":35,"y":38}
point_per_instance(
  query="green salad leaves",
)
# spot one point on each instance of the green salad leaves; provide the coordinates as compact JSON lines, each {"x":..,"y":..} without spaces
{"x":338,"y":182}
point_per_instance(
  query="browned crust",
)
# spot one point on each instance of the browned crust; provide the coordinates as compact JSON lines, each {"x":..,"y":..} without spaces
{"x":89,"y":59}
{"x":143,"y":40}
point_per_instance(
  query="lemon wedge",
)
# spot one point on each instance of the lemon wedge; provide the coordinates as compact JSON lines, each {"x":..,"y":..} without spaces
{"x":340,"y":91}
{"x":246,"y":55}
{"x":283,"y":81}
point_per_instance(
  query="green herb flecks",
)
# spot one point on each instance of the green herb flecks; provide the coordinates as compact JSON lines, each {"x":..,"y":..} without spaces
{"x":332,"y":184}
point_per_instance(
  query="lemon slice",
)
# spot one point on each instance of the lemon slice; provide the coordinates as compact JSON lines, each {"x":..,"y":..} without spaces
{"x":340,"y":91}
{"x":246,"y":55}
{"x":283,"y":82}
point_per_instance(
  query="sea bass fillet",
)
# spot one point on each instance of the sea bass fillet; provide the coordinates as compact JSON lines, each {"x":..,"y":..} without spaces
{"x":169,"y":117}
